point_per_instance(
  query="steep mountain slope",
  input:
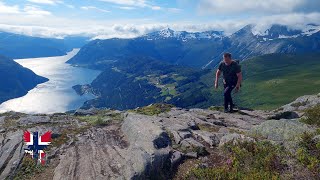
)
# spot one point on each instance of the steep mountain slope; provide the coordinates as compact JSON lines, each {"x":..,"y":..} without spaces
{"x":269,"y":82}
{"x":244,"y":44}
{"x":139,"y":81}
{"x":20,"y":46}
{"x":200,"y":50}
{"x":276,"y":79}
{"x":15,"y":80}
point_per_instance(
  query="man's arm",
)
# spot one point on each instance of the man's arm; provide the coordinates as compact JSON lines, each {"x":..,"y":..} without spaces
{"x":239,"y":81}
{"x":218,"y":73}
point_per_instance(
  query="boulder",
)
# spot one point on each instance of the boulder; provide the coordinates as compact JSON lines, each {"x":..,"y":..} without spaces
{"x":234,"y":138}
{"x":281,"y":130}
{"x":138,"y":149}
{"x":302,"y":103}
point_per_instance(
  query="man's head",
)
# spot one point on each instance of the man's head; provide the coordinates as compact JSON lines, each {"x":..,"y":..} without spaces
{"x":227,"y":58}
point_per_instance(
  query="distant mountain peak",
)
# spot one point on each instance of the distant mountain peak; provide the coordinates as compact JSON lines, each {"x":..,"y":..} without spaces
{"x":183,"y":35}
{"x":278,"y":31}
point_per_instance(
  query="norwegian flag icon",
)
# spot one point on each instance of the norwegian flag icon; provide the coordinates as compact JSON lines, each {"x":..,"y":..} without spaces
{"x":36,"y":144}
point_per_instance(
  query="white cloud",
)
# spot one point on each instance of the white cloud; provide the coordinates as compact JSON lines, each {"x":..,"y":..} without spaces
{"x":94,"y":8}
{"x":32,"y":20}
{"x":248,"y":6}
{"x":4,"y":9}
{"x":126,"y":7}
{"x":156,"y":8}
{"x":35,"y":11}
{"x":127,"y":4}
{"x":50,"y":2}
{"x":140,"y":3}
{"x":27,"y":10}
{"x":174,"y":10}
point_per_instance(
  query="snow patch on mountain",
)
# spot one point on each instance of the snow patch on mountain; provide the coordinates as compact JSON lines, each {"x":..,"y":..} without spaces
{"x":183,"y":35}
{"x":283,"y":32}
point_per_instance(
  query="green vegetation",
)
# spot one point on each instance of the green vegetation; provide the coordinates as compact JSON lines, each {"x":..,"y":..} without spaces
{"x":209,"y":128}
{"x":28,"y":169}
{"x":102,"y":118}
{"x":271,"y":81}
{"x":309,"y":153}
{"x":312,"y":116}
{"x":153,"y":109}
{"x":216,"y":108}
{"x":248,"y":160}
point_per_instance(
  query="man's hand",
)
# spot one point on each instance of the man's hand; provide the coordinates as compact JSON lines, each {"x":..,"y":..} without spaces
{"x":238,"y":86}
{"x":216,"y":85}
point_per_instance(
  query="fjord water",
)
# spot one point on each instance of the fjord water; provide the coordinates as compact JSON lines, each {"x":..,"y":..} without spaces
{"x":55,"y":95}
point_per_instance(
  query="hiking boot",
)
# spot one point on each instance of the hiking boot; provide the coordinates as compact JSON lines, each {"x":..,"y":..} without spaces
{"x":226,"y":111}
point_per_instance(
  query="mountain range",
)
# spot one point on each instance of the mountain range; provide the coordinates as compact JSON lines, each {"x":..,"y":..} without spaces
{"x":18,"y":46}
{"x":200,"y":50}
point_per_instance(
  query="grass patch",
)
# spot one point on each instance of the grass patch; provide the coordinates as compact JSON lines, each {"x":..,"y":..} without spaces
{"x":312,"y":116}
{"x":102,"y":118}
{"x":208,"y":128}
{"x":309,"y":153}
{"x":216,"y":108}
{"x":153,"y":109}
{"x":248,"y":160}
{"x":28,"y":169}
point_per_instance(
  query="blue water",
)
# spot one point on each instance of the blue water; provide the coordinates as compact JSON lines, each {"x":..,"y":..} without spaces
{"x":57,"y":94}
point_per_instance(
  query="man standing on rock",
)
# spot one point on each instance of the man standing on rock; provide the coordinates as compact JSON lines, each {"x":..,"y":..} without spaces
{"x":232,"y":78}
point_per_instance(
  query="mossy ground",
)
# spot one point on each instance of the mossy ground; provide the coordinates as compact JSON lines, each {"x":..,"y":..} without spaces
{"x":246,"y":160}
{"x":153,"y":109}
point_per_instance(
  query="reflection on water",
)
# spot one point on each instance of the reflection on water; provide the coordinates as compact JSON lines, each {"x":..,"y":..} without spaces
{"x":57,"y":94}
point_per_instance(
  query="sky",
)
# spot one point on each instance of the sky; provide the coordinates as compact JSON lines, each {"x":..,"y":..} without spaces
{"x":131,"y":18}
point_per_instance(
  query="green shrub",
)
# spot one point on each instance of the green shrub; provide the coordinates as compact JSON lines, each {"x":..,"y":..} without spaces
{"x":309,"y":153}
{"x":28,"y":168}
{"x":312,"y":116}
{"x":248,"y":160}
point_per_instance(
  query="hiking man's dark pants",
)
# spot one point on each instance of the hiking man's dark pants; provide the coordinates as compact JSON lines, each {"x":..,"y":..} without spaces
{"x":227,"y":96}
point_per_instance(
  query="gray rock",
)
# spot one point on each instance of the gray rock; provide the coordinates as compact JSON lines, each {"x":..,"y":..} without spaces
{"x":317,"y":139}
{"x":234,"y":138}
{"x":191,"y":155}
{"x":85,"y":112}
{"x":191,"y":143}
{"x":302,"y":103}
{"x":31,"y":119}
{"x":136,"y":150}
{"x":184,"y":134}
{"x":176,"y":137}
{"x":176,"y":159}
{"x":193,"y":125}
{"x":213,"y":139}
{"x":285,"y":115}
{"x":2,"y":120}
{"x":2,"y":130}
{"x":11,"y":152}
{"x":281,"y":130}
